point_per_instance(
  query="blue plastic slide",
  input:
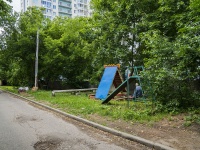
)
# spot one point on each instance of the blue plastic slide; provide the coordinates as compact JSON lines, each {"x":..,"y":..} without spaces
{"x":106,"y":82}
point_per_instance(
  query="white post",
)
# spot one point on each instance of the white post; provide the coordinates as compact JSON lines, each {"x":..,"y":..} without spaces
{"x":36,"y":60}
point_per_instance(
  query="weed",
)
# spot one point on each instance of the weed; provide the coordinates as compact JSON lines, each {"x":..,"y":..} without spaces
{"x":187,"y":123}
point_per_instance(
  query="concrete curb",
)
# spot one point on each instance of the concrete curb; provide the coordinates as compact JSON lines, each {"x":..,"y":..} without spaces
{"x":140,"y":140}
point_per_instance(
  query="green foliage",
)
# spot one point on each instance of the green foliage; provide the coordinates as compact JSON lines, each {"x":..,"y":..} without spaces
{"x":172,"y":62}
{"x":162,"y":35}
{"x":171,"y":107}
{"x":5,"y":10}
{"x":118,"y":24}
{"x":193,"y":117}
{"x":10,"y":89}
{"x":7,"y":38}
{"x":65,"y":49}
{"x":171,"y":75}
{"x":82,"y":106}
{"x":18,"y":55}
{"x":68,"y":51}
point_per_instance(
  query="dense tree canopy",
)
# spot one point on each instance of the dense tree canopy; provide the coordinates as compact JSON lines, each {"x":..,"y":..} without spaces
{"x":64,"y":49}
{"x":173,"y":53}
{"x":68,"y":52}
{"x":119,"y":24}
{"x":4,"y":11}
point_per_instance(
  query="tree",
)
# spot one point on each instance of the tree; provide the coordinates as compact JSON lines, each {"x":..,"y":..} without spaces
{"x":173,"y":53}
{"x":119,"y":24}
{"x":7,"y":27}
{"x":19,"y":46}
{"x":68,"y":52}
{"x":5,"y":10}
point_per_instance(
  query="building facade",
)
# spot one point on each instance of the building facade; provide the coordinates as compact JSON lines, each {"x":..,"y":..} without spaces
{"x":81,"y":8}
{"x":53,"y":8}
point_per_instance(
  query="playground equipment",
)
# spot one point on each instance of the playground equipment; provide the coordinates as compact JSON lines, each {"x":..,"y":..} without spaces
{"x":133,"y":78}
{"x":112,"y":76}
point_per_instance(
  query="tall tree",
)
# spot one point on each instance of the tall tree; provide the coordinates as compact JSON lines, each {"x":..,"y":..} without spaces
{"x":5,"y":10}
{"x":20,"y":46}
{"x":173,"y":53}
{"x":68,"y":54}
{"x":7,"y":27}
{"x":119,"y":24}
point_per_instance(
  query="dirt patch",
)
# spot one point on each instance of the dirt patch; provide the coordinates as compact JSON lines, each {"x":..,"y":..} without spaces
{"x":171,"y":132}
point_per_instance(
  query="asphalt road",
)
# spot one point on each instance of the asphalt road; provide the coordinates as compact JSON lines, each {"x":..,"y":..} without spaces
{"x":24,"y":127}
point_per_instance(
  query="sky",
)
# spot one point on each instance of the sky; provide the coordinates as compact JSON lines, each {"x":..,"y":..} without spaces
{"x":16,"y":5}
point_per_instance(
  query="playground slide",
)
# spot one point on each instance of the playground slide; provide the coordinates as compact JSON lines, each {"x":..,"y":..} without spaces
{"x":118,"y":89}
{"x":106,"y":82}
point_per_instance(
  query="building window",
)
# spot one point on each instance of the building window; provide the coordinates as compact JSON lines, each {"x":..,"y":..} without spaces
{"x":44,"y":2}
{"x":54,"y":6}
{"x":54,"y":0}
{"x":54,"y":13}
{"x":80,"y":5}
{"x":49,"y":4}
{"x":49,"y":10}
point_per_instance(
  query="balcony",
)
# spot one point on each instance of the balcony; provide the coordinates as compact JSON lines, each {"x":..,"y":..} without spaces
{"x":61,"y":4}
{"x":65,"y":11}
{"x":64,"y":1}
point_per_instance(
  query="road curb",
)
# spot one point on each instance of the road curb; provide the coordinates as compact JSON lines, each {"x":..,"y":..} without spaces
{"x":140,"y":140}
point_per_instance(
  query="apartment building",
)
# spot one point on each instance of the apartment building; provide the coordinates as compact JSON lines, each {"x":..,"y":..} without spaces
{"x":53,"y":8}
{"x":81,"y":8}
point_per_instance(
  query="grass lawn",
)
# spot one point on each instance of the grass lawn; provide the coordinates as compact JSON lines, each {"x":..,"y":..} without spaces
{"x":81,"y":105}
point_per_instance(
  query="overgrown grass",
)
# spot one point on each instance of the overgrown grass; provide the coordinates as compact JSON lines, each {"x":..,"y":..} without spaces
{"x":82,"y":106}
{"x":10,"y":88}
